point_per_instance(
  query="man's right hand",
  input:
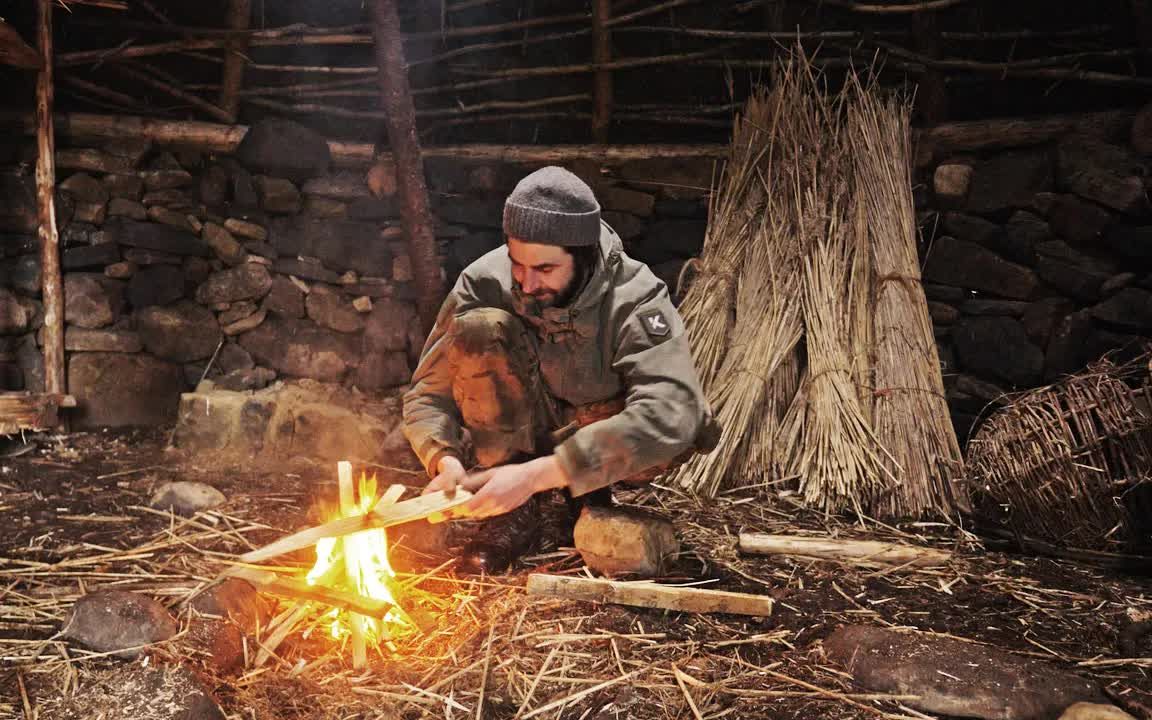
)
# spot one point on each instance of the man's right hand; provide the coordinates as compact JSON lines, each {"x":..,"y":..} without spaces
{"x":449,"y":474}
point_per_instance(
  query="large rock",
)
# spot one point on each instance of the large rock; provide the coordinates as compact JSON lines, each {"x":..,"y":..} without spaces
{"x":124,"y":207}
{"x":141,"y":691}
{"x":119,"y":622}
{"x":154,"y":236}
{"x":997,"y":348}
{"x":340,"y":244}
{"x":1108,"y":174}
{"x":156,"y":285}
{"x":285,"y":298}
{"x":90,"y":256}
{"x":85,"y":188}
{"x":961,"y":263}
{"x":1068,"y":347}
{"x":952,"y":677}
{"x":378,"y":210}
{"x":115,"y":389}
{"x":1131,"y":241}
{"x":382,"y":369}
{"x":78,"y":339}
{"x":301,"y":349}
{"x":307,"y":269}
{"x":677,"y":178}
{"x":950,"y":183}
{"x":129,"y":187}
{"x":250,"y":281}
{"x":622,"y":199}
{"x":331,"y":310}
{"x":278,"y":195}
{"x":1009,"y":180}
{"x":226,"y":247}
{"x":22,"y":273}
{"x":18,"y":210}
{"x":283,"y":148}
{"x":1128,"y":309}
{"x":387,"y":326}
{"x":235,"y":600}
{"x":182,"y":332}
{"x":91,"y":301}
{"x":214,"y":185}
{"x":14,"y":318}
{"x":186,"y":498}
{"x":1042,"y":317}
{"x":1094,"y":711}
{"x":616,"y":541}
{"x":1073,"y":273}
{"x":1077,"y":221}
{"x":233,"y":357}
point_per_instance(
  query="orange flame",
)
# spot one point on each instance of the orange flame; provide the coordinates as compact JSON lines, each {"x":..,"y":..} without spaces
{"x":357,"y":563}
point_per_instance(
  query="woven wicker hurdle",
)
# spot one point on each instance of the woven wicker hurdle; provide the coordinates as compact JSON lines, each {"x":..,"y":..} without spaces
{"x":1064,"y":462}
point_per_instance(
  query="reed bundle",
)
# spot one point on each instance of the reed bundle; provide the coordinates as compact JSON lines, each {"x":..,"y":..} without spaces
{"x":808,"y":300}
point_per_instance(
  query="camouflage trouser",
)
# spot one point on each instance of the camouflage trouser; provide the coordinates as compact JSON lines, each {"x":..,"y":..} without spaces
{"x":502,"y":399}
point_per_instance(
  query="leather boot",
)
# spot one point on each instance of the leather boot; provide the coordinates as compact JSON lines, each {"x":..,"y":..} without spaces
{"x":499,"y":541}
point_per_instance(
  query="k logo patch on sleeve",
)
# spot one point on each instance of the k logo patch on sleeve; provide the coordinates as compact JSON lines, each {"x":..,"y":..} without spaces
{"x":655,"y":324}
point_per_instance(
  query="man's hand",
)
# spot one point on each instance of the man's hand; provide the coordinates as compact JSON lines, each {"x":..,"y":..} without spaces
{"x":503,"y":489}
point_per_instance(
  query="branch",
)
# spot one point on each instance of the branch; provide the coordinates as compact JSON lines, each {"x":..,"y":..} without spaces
{"x":178,"y":93}
{"x":895,"y":9}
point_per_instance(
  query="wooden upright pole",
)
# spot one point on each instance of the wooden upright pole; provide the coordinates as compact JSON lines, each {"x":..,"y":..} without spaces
{"x":51,"y":284}
{"x":396,"y":100}
{"x":239,"y":18}
{"x":602,"y":83}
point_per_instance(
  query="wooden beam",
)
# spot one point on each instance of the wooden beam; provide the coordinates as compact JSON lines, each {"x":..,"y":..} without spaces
{"x":14,"y":51}
{"x":415,"y":215}
{"x":857,"y":552}
{"x":417,"y":508}
{"x":650,"y":595}
{"x":51,"y":284}
{"x":235,"y":57}
{"x":602,"y":80}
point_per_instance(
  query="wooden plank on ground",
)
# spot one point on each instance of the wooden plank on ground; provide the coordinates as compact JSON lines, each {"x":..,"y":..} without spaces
{"x":859,"y":552}
{"x":650,"y":595}
{"x":381,"y":517}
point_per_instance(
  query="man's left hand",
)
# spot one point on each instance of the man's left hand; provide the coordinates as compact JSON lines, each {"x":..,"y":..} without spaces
{"x":503,"y":489}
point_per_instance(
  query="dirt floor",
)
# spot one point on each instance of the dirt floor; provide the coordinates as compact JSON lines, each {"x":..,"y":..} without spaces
{"x":75,"y":520}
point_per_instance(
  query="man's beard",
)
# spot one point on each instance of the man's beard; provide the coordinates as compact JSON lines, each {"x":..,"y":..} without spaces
{"x":563,"y":298}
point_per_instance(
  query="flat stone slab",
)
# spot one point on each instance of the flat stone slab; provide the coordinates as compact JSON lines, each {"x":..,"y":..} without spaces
{"x":186,"y":498}
{"x":952,"y":677}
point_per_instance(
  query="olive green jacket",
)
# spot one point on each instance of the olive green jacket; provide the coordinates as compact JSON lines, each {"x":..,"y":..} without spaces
{"x":621,"y":336}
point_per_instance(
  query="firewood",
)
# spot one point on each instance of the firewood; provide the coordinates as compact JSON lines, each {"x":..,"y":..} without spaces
{"x":859,"y":552}
{"x":275,"y":584}
{"x":415,"y":509}
{"x":650,"y":595}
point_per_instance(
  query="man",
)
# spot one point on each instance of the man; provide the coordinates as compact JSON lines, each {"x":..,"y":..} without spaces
{"x":556,"y":362}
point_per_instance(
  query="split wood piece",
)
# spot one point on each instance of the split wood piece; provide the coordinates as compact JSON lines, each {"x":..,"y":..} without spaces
{"x":348,"y":508}
{"x":860,"y":552}
{"x":417,"y":508}
{"x":51,"y":283}
{"x":650,"y":595}
{"x":26,"y":411}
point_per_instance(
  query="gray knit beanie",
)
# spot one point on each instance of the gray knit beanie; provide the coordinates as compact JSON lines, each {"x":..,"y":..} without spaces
{"x":553,"y":207}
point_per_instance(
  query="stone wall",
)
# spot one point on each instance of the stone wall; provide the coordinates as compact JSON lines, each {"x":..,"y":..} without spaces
{"x":1038,"y":260}
{"x":292,"y":267}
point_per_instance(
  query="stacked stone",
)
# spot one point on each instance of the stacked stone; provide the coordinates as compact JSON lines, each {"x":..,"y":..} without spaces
{"x":270,"y":264}
{"x":1038,"y":261}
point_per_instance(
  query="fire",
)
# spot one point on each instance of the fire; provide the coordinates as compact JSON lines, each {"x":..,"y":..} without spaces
{"x":357,"y":563}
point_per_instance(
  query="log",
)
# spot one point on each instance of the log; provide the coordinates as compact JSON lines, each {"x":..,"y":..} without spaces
{"x":415,"y":214}
{"x":858,"y":552}
{"x":28,"y":411}
{"x":51,"y":284}
{"x":1012,"y":132}
{"x":235,"y":58}
{"x":177,"y":92}
{"x":381,"y":517}
{"x":650,"y":595}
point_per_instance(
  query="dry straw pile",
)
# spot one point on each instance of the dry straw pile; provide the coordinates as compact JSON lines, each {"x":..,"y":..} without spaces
{"x":806,"y":314}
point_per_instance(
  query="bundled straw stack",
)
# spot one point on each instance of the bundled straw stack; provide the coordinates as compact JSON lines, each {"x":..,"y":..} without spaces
{"x":806,"y":315}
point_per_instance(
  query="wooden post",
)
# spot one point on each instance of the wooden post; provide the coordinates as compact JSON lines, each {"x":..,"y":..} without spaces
{"x":602,"y":82}
{"x":396,"y":100}
{"x":239,"y":18}
{"x":51,"y":284}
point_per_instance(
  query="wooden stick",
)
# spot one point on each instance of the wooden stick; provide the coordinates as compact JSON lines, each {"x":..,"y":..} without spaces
{"x":348,"y":508}
{"x":862,"y":552}
{"x":602,"y":81}
{"x":276,"y":584}
{"x":407,"y":511}
{"x":52,"y":286}
{"x":235,"y":58}
{"x":396,"y":100}
{"x":650,"y":595}
{"x":177,"y":92}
